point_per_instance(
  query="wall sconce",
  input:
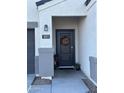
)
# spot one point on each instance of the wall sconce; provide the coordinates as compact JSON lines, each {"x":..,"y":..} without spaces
{"x":45,"y":27}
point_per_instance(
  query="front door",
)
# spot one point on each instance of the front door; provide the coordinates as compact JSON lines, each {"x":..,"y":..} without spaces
{"x":65,"y":47}
{"x":30,"y":51}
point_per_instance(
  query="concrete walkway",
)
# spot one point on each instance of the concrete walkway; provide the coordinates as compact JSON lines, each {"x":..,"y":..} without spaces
{"x":65,"y":81}
{"x":30,"y":78}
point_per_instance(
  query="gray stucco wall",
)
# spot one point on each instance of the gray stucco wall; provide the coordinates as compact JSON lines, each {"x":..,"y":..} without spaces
{"x":46,"y":62}
{"x":36,"y":64}
{"x":32,"y":24}
{"x":93,"y":68}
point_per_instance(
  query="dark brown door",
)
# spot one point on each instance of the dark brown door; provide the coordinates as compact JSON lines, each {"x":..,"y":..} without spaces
{"x":30,"y":51}
{"x":65,"y":47}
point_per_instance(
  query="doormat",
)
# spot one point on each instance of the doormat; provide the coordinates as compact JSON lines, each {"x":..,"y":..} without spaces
{"x":39,"y":81}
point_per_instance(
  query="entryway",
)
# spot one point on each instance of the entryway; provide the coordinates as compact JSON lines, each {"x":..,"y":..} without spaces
{"x":65,"y":47}
{"x":30,"y":51}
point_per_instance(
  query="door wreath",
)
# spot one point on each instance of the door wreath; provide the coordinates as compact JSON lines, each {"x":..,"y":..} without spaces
{"x":65,"y":41}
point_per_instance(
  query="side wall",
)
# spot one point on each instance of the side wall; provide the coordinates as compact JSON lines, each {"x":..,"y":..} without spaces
{"x":87,"y":39}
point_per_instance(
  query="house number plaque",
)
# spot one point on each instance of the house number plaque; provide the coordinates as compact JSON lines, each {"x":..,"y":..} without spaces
{"x":45,"y":36}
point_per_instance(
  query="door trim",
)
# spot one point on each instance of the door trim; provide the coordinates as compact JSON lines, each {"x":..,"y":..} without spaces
{"x":64,"y":30}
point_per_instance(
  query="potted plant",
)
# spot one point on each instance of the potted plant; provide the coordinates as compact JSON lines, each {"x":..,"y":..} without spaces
{"x":77,"y":66}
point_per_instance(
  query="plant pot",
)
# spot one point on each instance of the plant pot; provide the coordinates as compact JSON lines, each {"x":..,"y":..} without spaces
{"x":77,"y":67}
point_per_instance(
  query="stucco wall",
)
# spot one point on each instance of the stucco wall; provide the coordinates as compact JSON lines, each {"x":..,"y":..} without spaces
{"x":45,"y":19}
{"x":63,"y":8}
{"x":37,"y":41}
{"x":66,"y":23}
{"x":87,"y":39}
{"x":32,"y":14}
{"x":66,"y":8}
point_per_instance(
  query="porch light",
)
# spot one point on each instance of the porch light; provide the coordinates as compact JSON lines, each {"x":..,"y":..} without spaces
{"x":45,"y":27}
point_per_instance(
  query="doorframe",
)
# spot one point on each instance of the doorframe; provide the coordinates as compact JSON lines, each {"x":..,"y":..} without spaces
{"x":73,"y":30}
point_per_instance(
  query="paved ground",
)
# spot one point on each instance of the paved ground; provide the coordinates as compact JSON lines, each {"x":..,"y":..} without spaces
{"x":65,"y":81}
{"x":30,"y":79}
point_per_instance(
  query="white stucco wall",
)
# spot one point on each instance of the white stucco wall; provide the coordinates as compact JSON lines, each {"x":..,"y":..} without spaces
{"x":66,"y":23}
{"x":37,"y":41}
{"x":87,"y":39}
{"x":32,"y":14}
{"x":45,"y":19}
{"x":65,"y":8}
